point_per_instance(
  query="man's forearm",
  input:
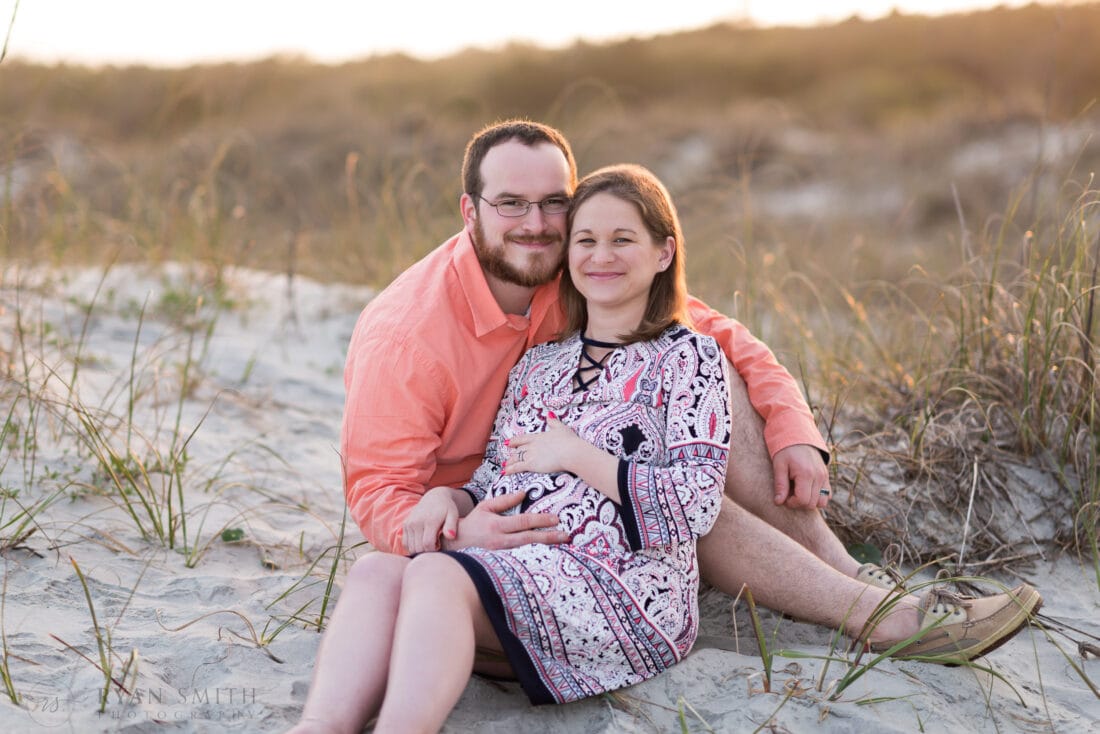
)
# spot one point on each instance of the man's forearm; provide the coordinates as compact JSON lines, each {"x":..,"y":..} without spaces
{"x":463,"y":501}
{"x":380,"y":513}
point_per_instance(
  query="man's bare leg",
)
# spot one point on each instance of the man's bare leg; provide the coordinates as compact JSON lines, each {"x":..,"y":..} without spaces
{"x":749,"y":480}
{"x":783,"y":575}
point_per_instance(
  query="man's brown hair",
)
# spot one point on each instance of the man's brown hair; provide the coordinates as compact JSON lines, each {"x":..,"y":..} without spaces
{"x":527,"y":132}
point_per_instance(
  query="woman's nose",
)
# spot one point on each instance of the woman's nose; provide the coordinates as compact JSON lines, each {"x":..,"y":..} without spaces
{"x":603,"y":253}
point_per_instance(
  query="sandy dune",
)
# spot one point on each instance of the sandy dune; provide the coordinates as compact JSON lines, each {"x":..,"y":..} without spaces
{"x":264,"y":395}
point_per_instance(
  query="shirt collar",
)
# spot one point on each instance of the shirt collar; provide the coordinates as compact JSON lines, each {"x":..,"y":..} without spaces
{"x":484,"y":309}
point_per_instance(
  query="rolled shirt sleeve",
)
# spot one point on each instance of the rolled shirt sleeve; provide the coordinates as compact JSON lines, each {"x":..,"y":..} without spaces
{"x":391,"y":434}
{"x":773,"y":392}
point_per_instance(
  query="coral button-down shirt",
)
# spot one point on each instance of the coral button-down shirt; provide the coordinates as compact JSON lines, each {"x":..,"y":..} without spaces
{"x":429,"y":361}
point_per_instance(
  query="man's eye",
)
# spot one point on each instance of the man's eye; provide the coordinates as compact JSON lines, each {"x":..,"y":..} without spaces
{"x":512,"y":203}
{"x":556,"y":202}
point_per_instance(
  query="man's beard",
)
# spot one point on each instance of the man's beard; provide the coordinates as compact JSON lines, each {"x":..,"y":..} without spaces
{"x":540,"y":270}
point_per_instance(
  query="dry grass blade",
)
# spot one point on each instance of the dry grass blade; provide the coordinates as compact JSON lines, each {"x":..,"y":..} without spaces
{"x":1049,"y":625}
{"x":5,"y":669}
{"x":98,"y":666}
{"x":632,"y":705}
{"x":103,"y":645}
{"x":7,"y":36}
{"x":1082,"y":647}
{"x":682,"y":704}
{"x":966,"y":522}
{"x":260,"y":642}
{"x":758,"y":630}
{"x":768,"y":721}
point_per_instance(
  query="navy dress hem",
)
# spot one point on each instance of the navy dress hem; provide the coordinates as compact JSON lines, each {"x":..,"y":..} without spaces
{"x":514,"y":650}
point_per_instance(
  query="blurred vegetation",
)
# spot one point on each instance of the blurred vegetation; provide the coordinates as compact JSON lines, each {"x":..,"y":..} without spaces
{"x":351,"y":171}
{"x":903,"y":208}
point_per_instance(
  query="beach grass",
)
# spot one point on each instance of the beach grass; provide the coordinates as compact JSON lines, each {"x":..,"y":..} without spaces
{"x":860,"y":678}
{"x":939,"y":312}
{"x":984,"y":347}
{"x":107,"y":663}
{"x":10,"y":689}
{"x":995,"y":364}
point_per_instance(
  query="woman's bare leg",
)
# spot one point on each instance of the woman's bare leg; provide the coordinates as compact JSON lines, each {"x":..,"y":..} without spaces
{"x":349,"y":678}
{"x":441,"y":621}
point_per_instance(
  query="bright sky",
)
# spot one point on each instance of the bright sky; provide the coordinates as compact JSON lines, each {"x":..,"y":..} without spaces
{"x":181,"y":32}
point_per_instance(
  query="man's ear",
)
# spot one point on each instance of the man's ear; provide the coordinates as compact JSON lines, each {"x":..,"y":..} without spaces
{"x":468,"y":205}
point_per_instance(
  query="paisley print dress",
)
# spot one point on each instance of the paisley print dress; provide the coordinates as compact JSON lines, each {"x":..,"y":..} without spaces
{"x":619,"y":603}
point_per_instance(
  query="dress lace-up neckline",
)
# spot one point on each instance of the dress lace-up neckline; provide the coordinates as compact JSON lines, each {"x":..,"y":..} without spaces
{"x":589,"y":364}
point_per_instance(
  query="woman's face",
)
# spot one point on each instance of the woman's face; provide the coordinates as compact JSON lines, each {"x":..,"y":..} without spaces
{"x":613,"y":258}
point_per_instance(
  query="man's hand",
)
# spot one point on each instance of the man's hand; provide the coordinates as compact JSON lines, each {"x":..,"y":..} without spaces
{"x":485,"y":527}
{"x":436,"y":513}
{"x":801,"y":478}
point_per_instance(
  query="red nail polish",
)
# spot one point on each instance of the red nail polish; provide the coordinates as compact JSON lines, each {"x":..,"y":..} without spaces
{"x":552,"y":415}
{"x":507,"y":441}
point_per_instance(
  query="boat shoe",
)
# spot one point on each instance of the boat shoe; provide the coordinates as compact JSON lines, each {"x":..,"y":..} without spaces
{"x":884,"y":577}
{"x":954,"y":629}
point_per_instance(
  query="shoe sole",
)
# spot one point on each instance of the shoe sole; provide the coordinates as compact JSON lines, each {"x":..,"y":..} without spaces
{"x":1014,"y":631}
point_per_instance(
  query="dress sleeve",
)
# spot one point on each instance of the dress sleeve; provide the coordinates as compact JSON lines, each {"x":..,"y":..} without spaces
{"x":393,"y":420}
{"x":773,"y":392}
{"x":679,"y":500}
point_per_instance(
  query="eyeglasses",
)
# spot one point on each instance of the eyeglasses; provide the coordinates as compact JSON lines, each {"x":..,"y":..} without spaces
{"x":520,"y":207}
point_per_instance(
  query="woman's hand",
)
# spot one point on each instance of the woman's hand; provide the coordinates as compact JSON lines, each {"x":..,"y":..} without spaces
{"x":558,"y":448}
{"x":435,"y":514}
{"x":555,"y":449}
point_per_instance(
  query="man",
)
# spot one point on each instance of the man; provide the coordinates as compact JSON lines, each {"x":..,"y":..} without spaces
{"x":429,"y":360}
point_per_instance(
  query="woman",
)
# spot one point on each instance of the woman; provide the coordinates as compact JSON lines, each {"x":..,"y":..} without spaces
{"x":622,"y":430}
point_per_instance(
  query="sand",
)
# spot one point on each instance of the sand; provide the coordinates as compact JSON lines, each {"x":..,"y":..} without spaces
{"x":208,"y":633}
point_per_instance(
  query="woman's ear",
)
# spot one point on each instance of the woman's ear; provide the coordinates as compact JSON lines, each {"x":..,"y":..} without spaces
{"x":667,"y":251}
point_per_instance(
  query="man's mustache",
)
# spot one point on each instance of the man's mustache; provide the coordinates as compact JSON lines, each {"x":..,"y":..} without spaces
{"x":551,"y":236}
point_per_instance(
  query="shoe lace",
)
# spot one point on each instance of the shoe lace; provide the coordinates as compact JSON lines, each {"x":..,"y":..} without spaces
{"x":889,"y":572}
{"x":947,"y":601}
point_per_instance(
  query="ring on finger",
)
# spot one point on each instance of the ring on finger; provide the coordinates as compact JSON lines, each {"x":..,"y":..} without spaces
{"x":824,"y":492}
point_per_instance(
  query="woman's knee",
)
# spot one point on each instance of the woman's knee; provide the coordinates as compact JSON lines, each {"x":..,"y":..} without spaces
{"x":435,"y":573}
{"x":379,"y":571}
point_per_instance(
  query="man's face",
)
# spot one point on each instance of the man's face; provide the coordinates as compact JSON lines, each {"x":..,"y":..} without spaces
{"x":526,"y":250}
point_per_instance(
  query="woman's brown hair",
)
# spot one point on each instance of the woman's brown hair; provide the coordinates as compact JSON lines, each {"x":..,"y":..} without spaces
{"x":667,"y":302}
